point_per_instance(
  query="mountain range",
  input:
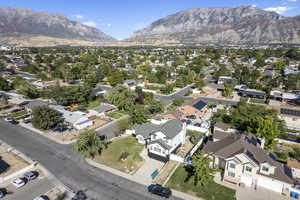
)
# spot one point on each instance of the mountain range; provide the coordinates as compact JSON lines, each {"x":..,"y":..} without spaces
{"x":244,"y":24}
{"x":23,"y":26}
{"x":239,"y":25}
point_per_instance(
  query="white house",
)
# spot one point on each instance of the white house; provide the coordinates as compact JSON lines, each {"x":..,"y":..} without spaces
{"x":246,"y":163}
{"x":79,"y":120}
{"x":161,"y":139}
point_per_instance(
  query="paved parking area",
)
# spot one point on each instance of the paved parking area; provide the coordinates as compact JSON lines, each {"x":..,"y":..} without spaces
{"x":31,"y":190}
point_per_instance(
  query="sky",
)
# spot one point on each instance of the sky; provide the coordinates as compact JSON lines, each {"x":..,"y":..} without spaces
{"x":120,"y":18}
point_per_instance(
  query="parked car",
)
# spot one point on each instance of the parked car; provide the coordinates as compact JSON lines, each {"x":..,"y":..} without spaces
{"x":3,"y":192}
{"x":80,"y":195}
{"x":10,"y":120}
{"x":193,"y":117}
{"x":19,"y":182}
{"x":197,"y":124}
{"x":31,"y":175}
{"x":27,"y":117}
{"x":103,"y":137}
{"x":16,"y":110}
{"x":42,"y":197}
{"x":159,"y":190}
{"x":188,"y":122}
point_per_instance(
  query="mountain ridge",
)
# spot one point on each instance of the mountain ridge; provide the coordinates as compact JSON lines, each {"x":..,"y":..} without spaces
{"x":26,"y":22}
{"x":243,"y":24}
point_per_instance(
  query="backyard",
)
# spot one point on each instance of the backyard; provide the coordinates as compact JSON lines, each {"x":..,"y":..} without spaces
{"x":115,"y":115}
{"x":122,"y":154}
{"x":212,"y":191}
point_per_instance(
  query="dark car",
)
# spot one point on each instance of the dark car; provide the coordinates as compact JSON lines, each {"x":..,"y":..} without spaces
{"x":159,"y":190}
{"x":31,"y":175}
{"x":3,"y":192}
{"x":80,"y":195}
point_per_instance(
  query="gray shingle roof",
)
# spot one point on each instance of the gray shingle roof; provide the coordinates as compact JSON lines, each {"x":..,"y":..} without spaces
{"x":32,"y":104}
{"x":236,"y":144}
{"x":104,"y":108}
{"x":170,"y":128}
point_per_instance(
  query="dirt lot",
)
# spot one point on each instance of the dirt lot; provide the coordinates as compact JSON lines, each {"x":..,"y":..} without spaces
{"x":15,"y":162}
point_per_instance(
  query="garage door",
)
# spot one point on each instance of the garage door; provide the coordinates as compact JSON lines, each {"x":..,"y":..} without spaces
{"x":269,"y":184}
{"x":247,"y":180}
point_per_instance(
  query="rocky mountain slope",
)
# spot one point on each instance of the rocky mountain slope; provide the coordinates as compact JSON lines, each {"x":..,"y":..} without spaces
{"x":244,"y":24}
{"x":18,"y":25}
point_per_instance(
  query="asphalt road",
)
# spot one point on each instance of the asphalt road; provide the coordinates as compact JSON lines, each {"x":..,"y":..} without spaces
{"x":221,"y":101}
{"x":70,"y":168}
{"x":109,"y":129}
{"x":29,"y":191}
{"x":168,"y":99}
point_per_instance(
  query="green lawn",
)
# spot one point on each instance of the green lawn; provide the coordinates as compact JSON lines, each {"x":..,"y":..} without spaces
{"x":260,"y":101}
{"x":212,"y":191}
{"x":17,"y":115}
{"x":115,"y":115}
{"x":112,"y":156}
{"x":93,"y":104}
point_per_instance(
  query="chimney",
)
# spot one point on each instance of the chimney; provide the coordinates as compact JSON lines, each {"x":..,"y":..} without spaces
{"x":262,"y":141}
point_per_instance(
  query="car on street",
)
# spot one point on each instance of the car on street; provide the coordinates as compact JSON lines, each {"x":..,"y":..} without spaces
{"x":42,"y":197}
{"x":16,"y":110}
{"x":159,"y":190}
{"x":192,"y":117}
{"x":19,"y":182}
{"x":3,"y":192}
{"x":31,"y":175}
{"x":10,"y":120}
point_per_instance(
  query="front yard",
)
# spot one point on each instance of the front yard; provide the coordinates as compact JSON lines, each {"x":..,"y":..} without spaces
{"x":212,"y":191}
{"x":122,"y":154}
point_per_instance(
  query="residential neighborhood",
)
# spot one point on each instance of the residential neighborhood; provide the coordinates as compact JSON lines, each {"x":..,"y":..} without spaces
{"x":204,"y":123}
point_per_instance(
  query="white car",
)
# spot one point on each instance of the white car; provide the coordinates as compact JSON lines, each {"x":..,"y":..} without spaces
{"x":18,"y":183}
{"x":42,"y":197}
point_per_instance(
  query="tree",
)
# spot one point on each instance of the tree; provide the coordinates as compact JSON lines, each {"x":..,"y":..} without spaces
{"x":178,"y":102}
{"x":45,"y":118}
{"x":139,"y":114}
{"x":89,"y":144}
{"x":201,"y":172}
{"x":123,"y":124}
{"x":267,"y":129}
{"x":228,"y":90}
{"x":115,"y":78}
{"x":4,"y":84}
{"x":121,"y":97}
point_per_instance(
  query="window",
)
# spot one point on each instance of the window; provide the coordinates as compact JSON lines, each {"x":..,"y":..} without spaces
{"x":232,"y":165}
{"x":157,"y":149}
{"x":248,"y":169}
{"x":231,"y":174}
{"x":265,"y":169}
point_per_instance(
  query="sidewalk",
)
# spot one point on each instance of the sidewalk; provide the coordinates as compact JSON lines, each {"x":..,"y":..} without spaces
{"x":135,"y":179}
{"x":47,"y":135}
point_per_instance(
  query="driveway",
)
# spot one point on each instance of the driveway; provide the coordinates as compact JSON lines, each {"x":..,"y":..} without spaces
{"x":31,"y":190}
{"x":149,"y":166}
{"x":251,"y":194}
{"x":259,"y":194}
{"x":108,"y":129}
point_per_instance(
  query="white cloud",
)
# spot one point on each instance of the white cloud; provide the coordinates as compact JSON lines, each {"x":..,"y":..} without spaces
{"x":109,"y":25}
{"x":79,"y":16}
{"x":90,"y":23}
{"x":254,"y":5}
{"x":280,"y":9}
{"x":292,"y":0}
